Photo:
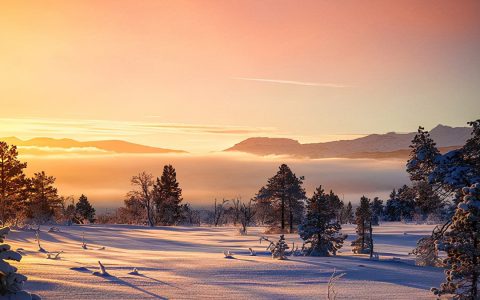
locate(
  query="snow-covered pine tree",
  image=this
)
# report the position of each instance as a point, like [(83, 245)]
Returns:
[(421, 164), (461, 167), (462, 244), (320, 229), (426, 251), (422, 157), (363, 218), (279, 248), (84, 210), (11, 282)]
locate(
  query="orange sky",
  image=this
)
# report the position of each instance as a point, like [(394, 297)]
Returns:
[(312, 70)]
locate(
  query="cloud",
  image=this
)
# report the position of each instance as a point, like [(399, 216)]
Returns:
[(293, 82), (106, 128)]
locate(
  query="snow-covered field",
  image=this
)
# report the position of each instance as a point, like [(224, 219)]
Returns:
[(188, 263)]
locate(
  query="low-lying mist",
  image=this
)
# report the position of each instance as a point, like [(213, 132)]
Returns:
[(105, 179)]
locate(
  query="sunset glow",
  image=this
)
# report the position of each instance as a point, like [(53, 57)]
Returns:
[(96, 70)]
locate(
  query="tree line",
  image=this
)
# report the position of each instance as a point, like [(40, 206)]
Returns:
[(34, 199)]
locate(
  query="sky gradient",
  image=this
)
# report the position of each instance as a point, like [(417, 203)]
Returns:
[(203, 75)]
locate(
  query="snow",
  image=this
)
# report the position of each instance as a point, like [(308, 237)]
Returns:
[(188, 263)]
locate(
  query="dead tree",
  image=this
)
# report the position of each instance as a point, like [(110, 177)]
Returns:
[(219, 209), (237, 205), (246, 216)]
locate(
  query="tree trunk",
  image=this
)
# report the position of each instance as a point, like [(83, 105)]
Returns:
[(475, 274), (291, 220), (371, 238), (363, 235), (283, 214)]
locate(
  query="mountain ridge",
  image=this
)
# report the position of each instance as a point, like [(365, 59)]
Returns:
[(391, 144), (116, 146)]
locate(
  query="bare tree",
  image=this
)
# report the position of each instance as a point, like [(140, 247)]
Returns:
[(143, 186), (219, 209), (246, 215), (237, 205)]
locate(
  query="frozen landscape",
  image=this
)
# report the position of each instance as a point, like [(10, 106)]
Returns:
[(188, 262)]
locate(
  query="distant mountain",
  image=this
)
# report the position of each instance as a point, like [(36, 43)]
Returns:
[(39, 145), (389, 145)]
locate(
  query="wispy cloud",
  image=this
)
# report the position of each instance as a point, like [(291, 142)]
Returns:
[(293, 82), (32, 127)]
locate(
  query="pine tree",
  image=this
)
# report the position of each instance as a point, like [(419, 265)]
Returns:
[(279, 248), (167, 196), (422, 162), (43, 198), (320, 229), (422, 157), (363, 219), (427, 200), (286, 194), (11, 282), (377, 210), (336, 204), (348, 216), (462, 244), (84, 209), (460, 167), (12, 183)]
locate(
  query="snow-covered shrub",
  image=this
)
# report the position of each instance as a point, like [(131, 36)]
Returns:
[(462, 244), (331, 291), (11, 282), (279, 248)]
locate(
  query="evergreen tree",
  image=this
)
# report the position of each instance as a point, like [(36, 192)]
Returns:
[(461, 167), (422, 157), (286, 194), (422, 162), (43, 198), (427, 200), (348, 216), (84, 210), (279, 248), (377, 210), (12, 183), (320, 229), (363, 219), (167, 196), (336, 204), (401, 205), (462, 244)]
